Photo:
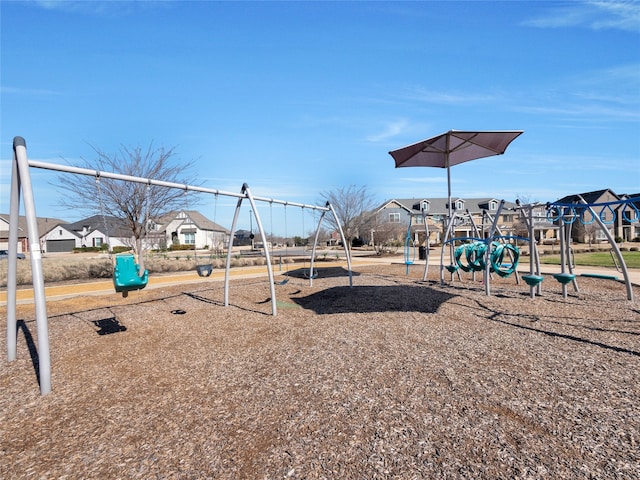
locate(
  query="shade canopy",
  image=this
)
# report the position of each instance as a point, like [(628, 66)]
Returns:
[(453, 147)]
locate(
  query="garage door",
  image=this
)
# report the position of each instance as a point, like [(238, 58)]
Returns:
[(60, 245)]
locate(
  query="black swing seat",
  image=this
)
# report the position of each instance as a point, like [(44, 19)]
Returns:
[(126, 274), (204, 270), (307, 274)]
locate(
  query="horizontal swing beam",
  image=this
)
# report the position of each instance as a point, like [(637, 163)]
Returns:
[(148, 181)]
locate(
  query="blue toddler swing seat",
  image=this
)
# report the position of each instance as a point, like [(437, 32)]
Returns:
[(126, 274)]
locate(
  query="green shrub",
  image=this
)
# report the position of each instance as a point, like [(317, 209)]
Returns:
[(86, 249), (177, 247)]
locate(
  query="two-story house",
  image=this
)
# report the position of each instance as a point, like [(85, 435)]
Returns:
[(584, 229), (188, 227), (391, 220)]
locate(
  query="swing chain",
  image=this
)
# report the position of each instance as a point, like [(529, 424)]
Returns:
[(103, 214)]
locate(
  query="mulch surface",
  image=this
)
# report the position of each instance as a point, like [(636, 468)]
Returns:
[(392, 378)]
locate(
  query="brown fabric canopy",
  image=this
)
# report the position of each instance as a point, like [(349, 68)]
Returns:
[(452, 148)]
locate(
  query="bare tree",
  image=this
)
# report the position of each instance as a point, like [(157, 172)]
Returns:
[(351, 205), (134, 203)]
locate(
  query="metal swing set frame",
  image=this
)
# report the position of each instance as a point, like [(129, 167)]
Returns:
[(21, 183)]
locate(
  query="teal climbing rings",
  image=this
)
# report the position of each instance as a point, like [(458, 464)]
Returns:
[(473, 253), (497, 257), (457, 255), (475, 256)]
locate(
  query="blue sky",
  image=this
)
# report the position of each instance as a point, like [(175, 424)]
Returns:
[(296, 98)]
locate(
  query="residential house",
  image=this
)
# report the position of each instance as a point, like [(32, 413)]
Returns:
[(584, 229), (544, 227), (188, 227), (45, 225), (94, 231), (399, 213), (631, 218)]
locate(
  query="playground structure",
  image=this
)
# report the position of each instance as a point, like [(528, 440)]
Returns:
[(452, 148), (485, 252), (566, 214), (490, 248), (126, 271)]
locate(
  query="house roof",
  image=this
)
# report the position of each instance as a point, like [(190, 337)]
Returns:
[(115, 227), (199, 220), (589, 197), (45, 225), (440, 205)]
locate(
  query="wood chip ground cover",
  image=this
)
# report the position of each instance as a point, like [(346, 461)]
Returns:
[(393, 378)]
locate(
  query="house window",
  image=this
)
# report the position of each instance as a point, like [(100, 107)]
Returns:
[(424, 206), (97, 242), (493, 205), (507, 218), (394, 218), (460, 205), (418, 220), (189, 238)]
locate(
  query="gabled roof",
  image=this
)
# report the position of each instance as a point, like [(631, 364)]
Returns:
[(199, 220), (45, 225), (589, 197), (203, 223), (115, 227), (440, 205), (399, 202)]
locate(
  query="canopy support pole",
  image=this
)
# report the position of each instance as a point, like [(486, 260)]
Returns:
[(487, 253), (426, 256)]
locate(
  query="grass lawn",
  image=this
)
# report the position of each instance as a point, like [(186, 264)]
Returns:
[(596, 259)]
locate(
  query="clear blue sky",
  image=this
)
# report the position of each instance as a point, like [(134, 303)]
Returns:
[(296, 98)]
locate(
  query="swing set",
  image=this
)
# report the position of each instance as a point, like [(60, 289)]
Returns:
[(127, 275)]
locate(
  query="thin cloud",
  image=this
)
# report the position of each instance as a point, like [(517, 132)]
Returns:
[(98, 7), (595, 15), (424, 180), (448, 98), (588, 97), (27, 91), (391, 130)]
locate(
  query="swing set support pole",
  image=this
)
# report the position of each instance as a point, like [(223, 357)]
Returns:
[(21, 179), (344, 242), (246, 193), (263, 236), (313, 249)]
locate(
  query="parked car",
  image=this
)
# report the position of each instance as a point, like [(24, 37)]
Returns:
[(5, 254)]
